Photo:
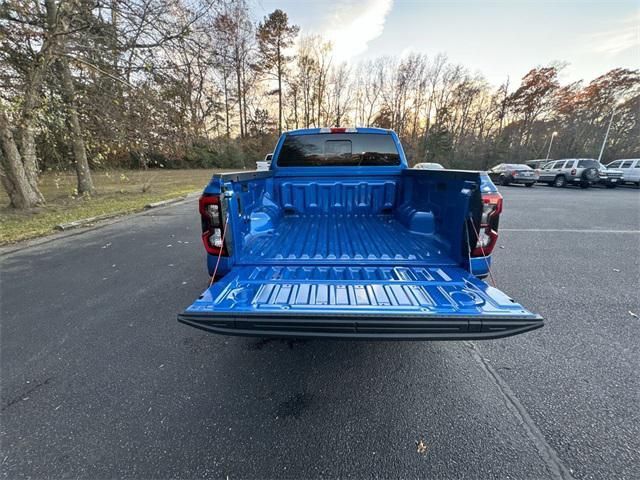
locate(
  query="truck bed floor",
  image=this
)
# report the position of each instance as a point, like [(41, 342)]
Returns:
[(343, 239)]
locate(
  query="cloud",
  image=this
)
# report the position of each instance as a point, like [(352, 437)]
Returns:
[(623, 38), (352, 24)]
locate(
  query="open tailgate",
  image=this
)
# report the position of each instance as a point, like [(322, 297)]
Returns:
[(429, 303)]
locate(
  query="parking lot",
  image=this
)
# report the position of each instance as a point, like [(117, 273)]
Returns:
[(99, 380)]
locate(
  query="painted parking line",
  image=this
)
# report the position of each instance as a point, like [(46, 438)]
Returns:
[(548, 454), (566, 230)]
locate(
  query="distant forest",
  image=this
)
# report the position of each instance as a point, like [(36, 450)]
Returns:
[(186, 84)]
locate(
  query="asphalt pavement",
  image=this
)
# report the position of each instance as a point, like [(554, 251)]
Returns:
[(98, 380)]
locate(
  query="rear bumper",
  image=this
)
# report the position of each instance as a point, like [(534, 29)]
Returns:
[(362, 327), (611, 181), (578, 181), (524, 181)]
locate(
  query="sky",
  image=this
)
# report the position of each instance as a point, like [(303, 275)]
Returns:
[(499, 39)]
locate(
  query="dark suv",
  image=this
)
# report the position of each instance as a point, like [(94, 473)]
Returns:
[(570, 171)]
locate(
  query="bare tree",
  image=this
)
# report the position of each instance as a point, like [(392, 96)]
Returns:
[(83, 173), (275, 36), (339, 95)]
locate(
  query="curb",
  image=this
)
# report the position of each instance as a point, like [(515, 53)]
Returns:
[(91, 220), (63, 227), (162, 203), (87, 225)]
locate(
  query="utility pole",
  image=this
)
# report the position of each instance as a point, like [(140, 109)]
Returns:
[(553, 135), (606, 135)]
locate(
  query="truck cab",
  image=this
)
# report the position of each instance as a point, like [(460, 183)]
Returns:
[(340, 239)]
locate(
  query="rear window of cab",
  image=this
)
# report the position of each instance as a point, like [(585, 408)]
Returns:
[(338, 150)]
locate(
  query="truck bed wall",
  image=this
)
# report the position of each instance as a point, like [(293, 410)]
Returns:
[(426, 203)]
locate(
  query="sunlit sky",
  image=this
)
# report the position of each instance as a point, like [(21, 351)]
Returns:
[(500, 39)]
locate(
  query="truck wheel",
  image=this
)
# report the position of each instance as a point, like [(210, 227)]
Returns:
[(610, 185), (528, 184), (560, 181), (504, 181), (585, 184)]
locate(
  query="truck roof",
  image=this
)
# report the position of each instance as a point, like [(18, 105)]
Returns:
[(311, 131)]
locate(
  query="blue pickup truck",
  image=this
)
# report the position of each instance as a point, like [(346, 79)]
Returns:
[(340, 239)]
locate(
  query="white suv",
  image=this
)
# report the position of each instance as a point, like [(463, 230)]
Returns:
[(630, 168)]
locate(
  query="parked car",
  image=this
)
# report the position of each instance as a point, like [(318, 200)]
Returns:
[(429, 166), (536, 164), (570, 171), (264, 164), (341, 239), (508, 173), (630, 168), (609, 177)]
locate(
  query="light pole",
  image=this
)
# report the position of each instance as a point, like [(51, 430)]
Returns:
[(606, 135), (553, 135)]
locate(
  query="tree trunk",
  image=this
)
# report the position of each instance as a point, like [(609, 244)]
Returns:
[(26, 126), (226, 104), (295, 109), (31, 101), (12, 172), (7, 184), (239, 92), (319, 93), (85, 182), (244, 99), (279, 91)]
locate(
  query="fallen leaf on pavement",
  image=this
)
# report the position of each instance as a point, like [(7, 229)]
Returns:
[(421, 447), (633, 314)]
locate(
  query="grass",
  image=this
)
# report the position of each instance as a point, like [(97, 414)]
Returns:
[(122, 191)]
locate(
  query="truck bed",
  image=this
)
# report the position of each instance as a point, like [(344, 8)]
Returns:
[(343, 239), (355, 253)]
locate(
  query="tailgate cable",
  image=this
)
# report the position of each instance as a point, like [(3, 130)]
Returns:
[(224, 232), (493, 282)]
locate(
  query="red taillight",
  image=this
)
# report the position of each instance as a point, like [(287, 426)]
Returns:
[(573, 172), (493, 200), (212, 225), (513, 173), (488, 231), (338, 130)]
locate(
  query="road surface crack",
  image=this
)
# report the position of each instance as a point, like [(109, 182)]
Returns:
[(26, 393)]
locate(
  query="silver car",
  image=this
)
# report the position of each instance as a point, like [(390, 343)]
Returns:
[(610, 177), (429, 166), (266, 163), (510, 173), (570, 171), (630, 168)]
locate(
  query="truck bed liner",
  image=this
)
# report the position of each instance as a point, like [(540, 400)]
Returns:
[(340, 239)]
